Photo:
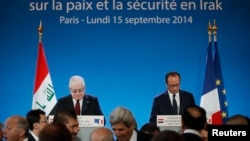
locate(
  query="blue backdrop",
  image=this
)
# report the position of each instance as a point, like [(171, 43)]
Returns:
[(123, 64)]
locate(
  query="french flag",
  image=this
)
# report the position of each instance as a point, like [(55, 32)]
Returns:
[(210, 96)]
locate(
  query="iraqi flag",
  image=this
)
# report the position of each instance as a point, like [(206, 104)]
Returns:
[(210, 98), (44, 97)]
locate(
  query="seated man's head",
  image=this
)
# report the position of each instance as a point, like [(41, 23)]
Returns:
[(55, 132), (122, 122), (238, 119), (101, 134), (194, 117), (69, 119)]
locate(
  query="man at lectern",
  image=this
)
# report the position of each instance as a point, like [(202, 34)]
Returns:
[(173, 100), (78, 100)]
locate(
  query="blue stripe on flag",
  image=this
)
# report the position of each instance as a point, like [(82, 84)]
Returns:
[(220, 85), (209, 81)]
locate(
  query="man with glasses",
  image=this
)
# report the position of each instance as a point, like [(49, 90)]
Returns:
[(37, 121), (173, 100), (78, 100)]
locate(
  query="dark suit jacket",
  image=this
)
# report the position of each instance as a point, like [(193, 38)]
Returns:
[(90, 105), (191, 137), (143, 136), (162, 104), (30, 137)]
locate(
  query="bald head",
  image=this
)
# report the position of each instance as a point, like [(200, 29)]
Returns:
[(16, 128), (194, 117), (237, 120), (101, 134)]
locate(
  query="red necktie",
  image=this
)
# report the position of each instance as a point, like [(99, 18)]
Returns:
[(77, 107)]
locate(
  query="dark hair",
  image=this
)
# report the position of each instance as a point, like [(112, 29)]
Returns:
[(62, 116), (33, 116), (150, 128), (173, 73), (55, 132), (167, 135), (194, 117)]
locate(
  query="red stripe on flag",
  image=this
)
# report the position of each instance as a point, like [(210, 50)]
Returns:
[(41, 68), (216, 118)]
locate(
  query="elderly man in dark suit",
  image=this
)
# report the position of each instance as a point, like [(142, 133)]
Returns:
[(173, 100), (87, 104)]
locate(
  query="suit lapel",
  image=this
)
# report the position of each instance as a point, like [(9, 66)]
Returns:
[(182, 97), (85, 103), (70, 103), (170, 107)]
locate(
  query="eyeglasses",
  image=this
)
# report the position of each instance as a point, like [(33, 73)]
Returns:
[(174, 85)]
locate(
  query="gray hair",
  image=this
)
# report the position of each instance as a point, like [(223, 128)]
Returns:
[(22, 123), (76, 79), (122, 115)]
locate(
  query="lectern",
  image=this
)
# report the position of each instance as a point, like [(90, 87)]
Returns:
[(169, 122), (87, 124)]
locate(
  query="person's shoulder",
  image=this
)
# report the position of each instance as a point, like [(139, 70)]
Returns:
[(185, 92), (90, 96), (160, 95)]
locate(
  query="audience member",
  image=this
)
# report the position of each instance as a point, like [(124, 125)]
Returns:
[(88, 104), (238, 119), (37, 121), (69, 119), (1, 131), (122, 123), (101, 134), (193, 121), (150, 128), (16, 129), (173, 100), (55, 132), (167, 135)]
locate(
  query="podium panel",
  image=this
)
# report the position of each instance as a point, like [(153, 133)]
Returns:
[(87, 124), (169, 122)]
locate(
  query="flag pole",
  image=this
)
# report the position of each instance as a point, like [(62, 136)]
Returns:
[(40, 31), (215, 28), (210, 28), (44, 97)]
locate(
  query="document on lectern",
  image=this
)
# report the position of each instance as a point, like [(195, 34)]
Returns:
[(91, 121), (86, 120), (168, 120)]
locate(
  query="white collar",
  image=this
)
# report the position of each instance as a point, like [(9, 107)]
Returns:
[(134, 136), (192, 131), (35, 136)]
